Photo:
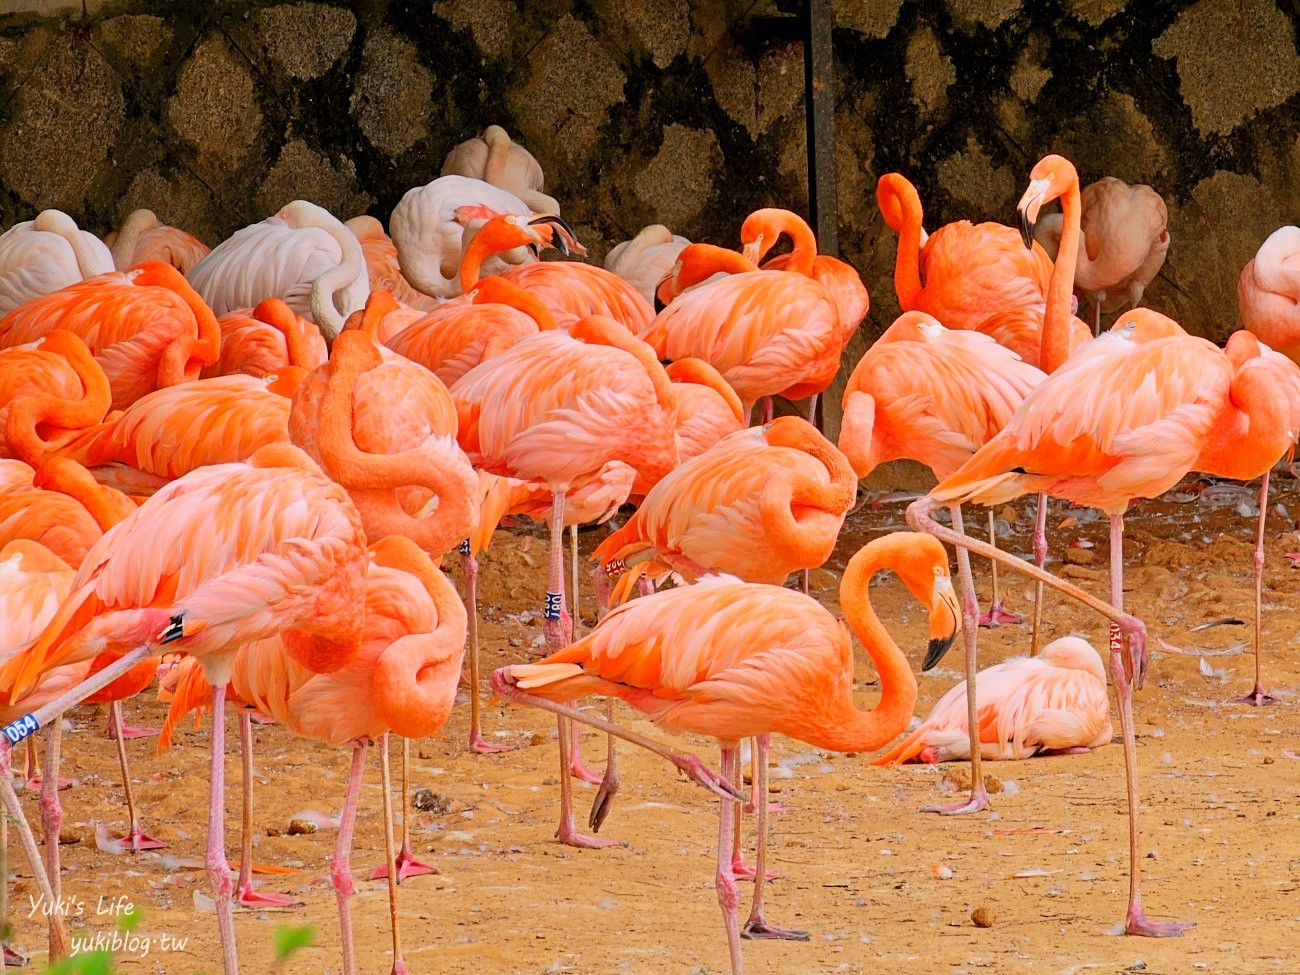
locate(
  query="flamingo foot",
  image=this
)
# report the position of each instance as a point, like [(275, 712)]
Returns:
[(757, 929), (603, 803), (136, 841), (582, 773), (772, 807), (1137, 924), (130, 733), (568, 835), (978, 801), (477, 744), (743, 871), (12, 957), (1257, 698), (36, 781), (407, 866), (253, 900), (997, 616)]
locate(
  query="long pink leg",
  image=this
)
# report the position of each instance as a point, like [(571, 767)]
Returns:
[(245, 894), (341, 868), (728, 895), (13, 812), (567, 832), (769, 409), (757, 926), (390, 865), (11, 957), (135, 839), (223, 884), (996, 615), (979, 796), (1040, 560), (117, 727), (1259, 696), (469, 564), (407, 864), (1127, 672), (52, 824)]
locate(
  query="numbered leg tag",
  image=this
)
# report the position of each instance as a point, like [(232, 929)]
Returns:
[(615, 568), (24, 727), (1116, 641), (464, 547), (554, 603)]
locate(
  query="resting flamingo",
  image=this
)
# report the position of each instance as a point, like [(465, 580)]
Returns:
[(496, 158), (570, 411), (644, 260), (1268, 292), (736, 660), (1123, 239), (147, 327), (382, 267), (143, 237), (303, 255), (46, 254), (1054, 702), (183, 571), (263, 340), (707, 407), (403, 680), (48, 392)]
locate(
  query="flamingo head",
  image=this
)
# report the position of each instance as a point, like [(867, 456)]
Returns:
[(945, 618), (1049, 179), (555, 233)]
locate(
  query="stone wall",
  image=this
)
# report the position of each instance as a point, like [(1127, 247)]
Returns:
[(221, 111)]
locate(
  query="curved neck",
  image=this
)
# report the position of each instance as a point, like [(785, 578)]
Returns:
[(699, 262), (500, 291), (123, 248), (488, 242), (783, 498), (28, 413), (700, 373), (106, 506), (804, 252), (907, 262), (281, 317), (89, 263), (1055, 347), (861, 731), (324, 311), (1251, 433), (498, 152)]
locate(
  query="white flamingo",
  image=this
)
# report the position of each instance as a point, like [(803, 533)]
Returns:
[(46, 254)]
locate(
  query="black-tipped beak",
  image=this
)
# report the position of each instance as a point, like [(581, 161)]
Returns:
[(560, 240), (935, 652), (659, 305), (174, 631), (1026, 226), (537, 250)]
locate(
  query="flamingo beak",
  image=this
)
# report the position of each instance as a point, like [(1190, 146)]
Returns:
[(753, 251), (946, 614), (562, 236), (1027, 209)]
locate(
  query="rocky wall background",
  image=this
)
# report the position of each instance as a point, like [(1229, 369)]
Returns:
[(215, 113)]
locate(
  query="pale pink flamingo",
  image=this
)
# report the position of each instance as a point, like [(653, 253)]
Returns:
[(142, 237), (646, 259), (1268, 292), (497, 159), (46, 254), (1054, 702), (303, 255), (382, 267), (260, 341)]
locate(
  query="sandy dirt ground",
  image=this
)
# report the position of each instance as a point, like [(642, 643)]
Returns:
[(861, 866)]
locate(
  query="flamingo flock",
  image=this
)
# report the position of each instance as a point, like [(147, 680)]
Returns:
[(253, 462)]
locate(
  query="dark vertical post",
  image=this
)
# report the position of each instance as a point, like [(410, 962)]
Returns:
[(819, 108)]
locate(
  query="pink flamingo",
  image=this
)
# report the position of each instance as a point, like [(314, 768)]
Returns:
[(143, 237), (1268, 292), (49, 391), (263, 340), (46, 254)]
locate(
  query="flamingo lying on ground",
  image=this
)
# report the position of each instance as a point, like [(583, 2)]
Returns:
[(1055, 702), (263, 340), (736, 660), (142, 237), (46, 254), (1268, 292), (48, 392)]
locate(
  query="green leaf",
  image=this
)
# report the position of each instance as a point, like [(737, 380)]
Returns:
[(288, 939), (130, 918)]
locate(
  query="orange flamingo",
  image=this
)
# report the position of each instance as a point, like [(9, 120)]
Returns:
[(303, 254), (147, 327), (763, 228), (979, 277), (1268, 292), (178, 429), (48, 392), (1055, 702), (221, 557), (142, 237), (1123, 239), (46, 254), (62, 507), (759, 504), (403, 680), (1127, 417), (737, 660), (571, 291), (937, 395), (382, 267), (768, 333), (263, 340), (707, 407), (570, 411)]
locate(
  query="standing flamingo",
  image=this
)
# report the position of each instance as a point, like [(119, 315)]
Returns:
[(403, 680), (569, 411), (935, 395), (1054, 702), (142, 237), (644, 260), (46, 254), (303, 255), (1123, 239), (707, 407), (147, 327), (260, 341), (221, 557), (735, 660), (1268, 292)]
